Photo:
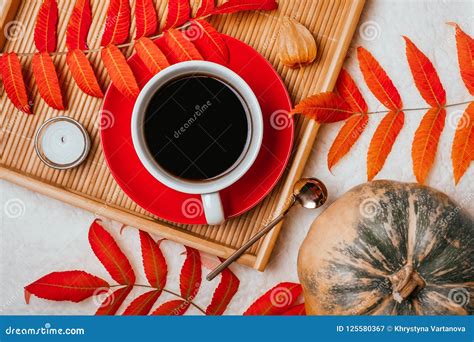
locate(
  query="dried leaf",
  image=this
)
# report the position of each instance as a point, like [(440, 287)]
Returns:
[(190, 277), (224, 293), (180, 48), (324, 108), (117, 23), (142, 304), (179, 12), (47, 80), (378, 81), (297, 310), (151, 55), (382, 142), (119, 71), (206, 8), (208, 41), (13, 82), (465, 47), (110, 254), (74, 286), (154, 261), (45, 35), (463, 145), (348, 90), (275, 301), (346, 138), (425, 76), (232, 6), (425, 143), (83, 73), (172, 308), (79, 25), (146, 18), (113, 301)]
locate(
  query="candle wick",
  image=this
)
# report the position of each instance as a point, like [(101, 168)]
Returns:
[(63, 139)]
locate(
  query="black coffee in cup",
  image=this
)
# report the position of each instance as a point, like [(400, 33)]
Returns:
[(196, 127)]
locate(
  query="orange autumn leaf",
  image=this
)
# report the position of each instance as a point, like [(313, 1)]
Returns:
[(425, 143), (180, 47), (47, 80), (463, 145), (346, 138), (378, 81), (117, 23), (425, 76), (465, 47), (382, 142), (10, 69), (179, 12), (324, 108), (119, 71), (151, 55), (146, 18), (45, 28), (349, 91), (208, 41), (79, 25), (83, 73)]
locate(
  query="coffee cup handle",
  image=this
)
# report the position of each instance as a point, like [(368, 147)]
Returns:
[(213, 209)]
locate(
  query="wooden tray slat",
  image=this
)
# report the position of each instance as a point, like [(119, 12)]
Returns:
[(91, 185)]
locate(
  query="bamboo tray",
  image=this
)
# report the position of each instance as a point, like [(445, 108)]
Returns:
[(92, 187)]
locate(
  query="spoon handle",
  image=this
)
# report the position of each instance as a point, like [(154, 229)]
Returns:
[(246, 246)]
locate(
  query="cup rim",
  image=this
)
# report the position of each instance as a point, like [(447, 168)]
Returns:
[(254, 112)]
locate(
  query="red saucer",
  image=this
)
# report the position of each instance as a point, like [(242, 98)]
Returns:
[(179, 207)]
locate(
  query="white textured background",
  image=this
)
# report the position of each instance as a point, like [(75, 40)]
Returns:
[(50, 236)]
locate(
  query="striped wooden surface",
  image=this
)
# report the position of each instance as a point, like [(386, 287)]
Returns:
[(91, 185)]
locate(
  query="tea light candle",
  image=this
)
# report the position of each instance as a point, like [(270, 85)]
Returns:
[(62, 143)]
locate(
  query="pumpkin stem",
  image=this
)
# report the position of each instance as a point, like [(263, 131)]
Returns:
[(405, 282)]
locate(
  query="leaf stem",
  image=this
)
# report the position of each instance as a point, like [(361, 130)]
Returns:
[(167, 291), (420, 108)]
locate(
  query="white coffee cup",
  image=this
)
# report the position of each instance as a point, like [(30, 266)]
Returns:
[(208, 188)]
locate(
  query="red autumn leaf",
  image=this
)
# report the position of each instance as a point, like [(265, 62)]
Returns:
[(208, 41), (346, 138), (190, 277), (425, 143), (465, 47), (146, 18), (172, 308), (74, 286), (47, 80), (232, 6), (180, 48), (425, 76), (378, 81), (224, 293), (324, 108), (79, 25), (113, 301), (83, 73), (119, 71), (154, 261), (206, 8), (297, 310), (179, 12), (45, 27), (463, 145), (142, 304), (151, 55), (382, 142), (13, 82), (117, 23), (276, 300), (349, 91), (110, 254)]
